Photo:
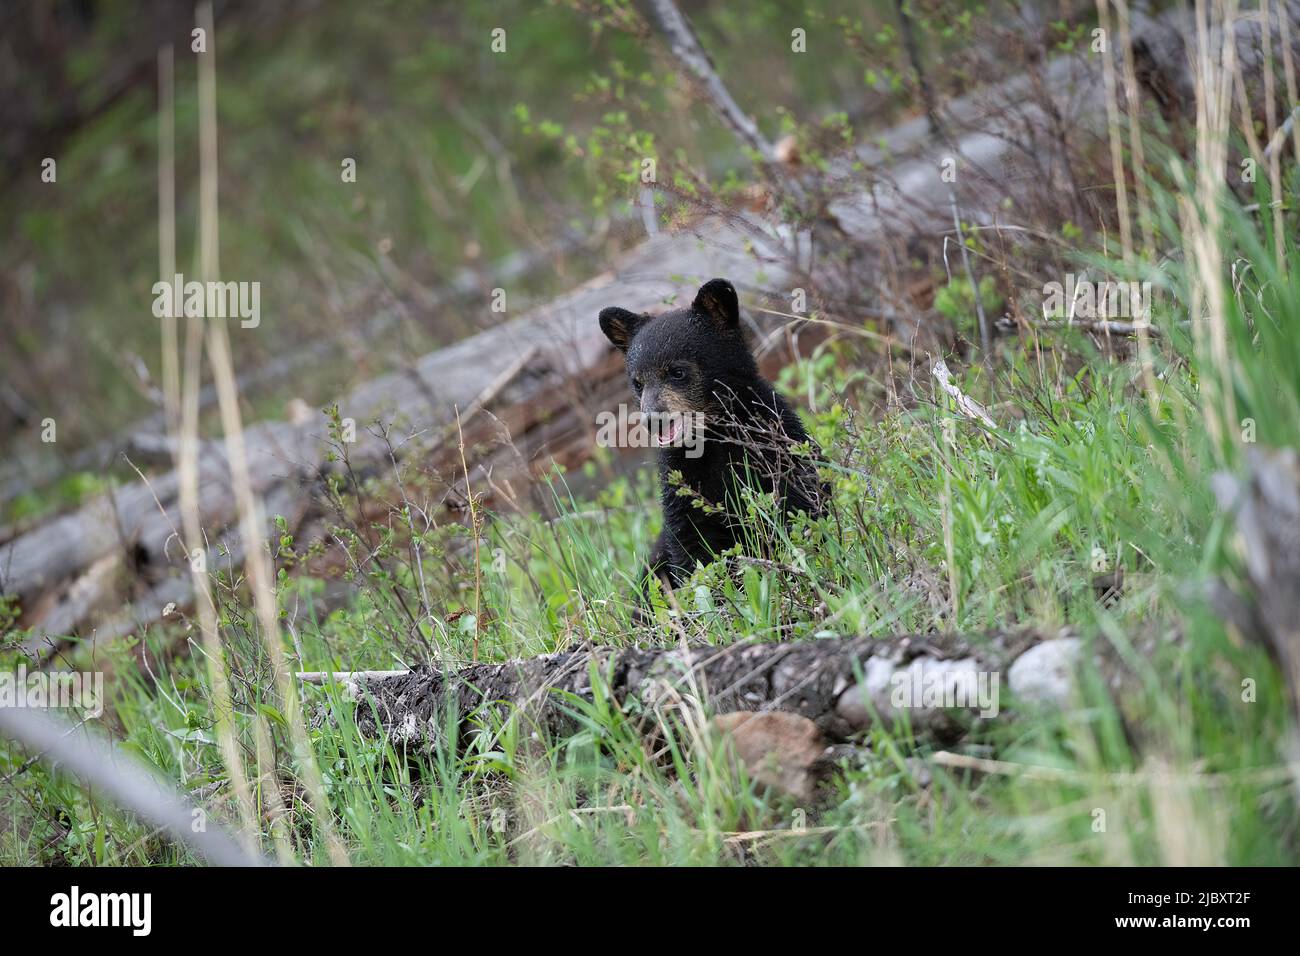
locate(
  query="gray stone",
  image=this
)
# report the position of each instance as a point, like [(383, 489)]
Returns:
[(1044, 674)]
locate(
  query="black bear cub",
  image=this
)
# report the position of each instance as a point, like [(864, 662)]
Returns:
[(717, 422)]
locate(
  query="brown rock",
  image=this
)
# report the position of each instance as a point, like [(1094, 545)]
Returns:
[(781, 751)]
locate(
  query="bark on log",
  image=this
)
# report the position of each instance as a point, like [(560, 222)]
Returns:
[(842, 685), (131, 516), (136, 527)]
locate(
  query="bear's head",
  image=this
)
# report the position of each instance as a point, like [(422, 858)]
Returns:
[(684, 361)]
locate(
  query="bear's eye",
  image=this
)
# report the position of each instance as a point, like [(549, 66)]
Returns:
[(636, 384), (677, 373)]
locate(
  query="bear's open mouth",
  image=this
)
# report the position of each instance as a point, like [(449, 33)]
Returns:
[(669, 430)]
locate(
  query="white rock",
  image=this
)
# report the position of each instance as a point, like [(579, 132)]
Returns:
[(1044, 674), (852, 705)]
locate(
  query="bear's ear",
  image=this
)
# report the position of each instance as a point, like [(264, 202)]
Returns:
[(620, 326), (717, 302)]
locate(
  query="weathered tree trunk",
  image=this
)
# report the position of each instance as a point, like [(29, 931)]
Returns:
[(943, 683)]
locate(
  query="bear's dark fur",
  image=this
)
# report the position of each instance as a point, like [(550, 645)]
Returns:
[(692, 364)]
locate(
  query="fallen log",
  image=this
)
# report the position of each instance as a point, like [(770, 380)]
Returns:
[(940, 685), (131, 532)]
